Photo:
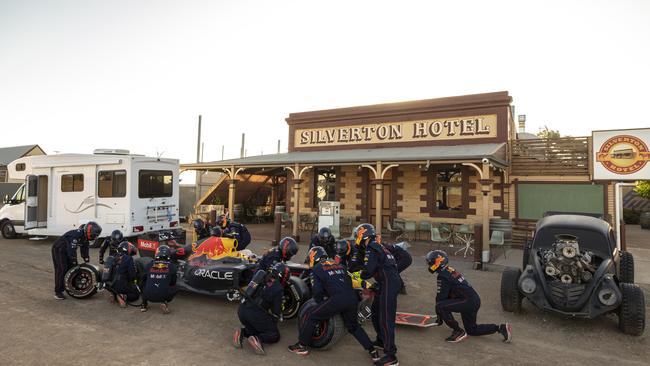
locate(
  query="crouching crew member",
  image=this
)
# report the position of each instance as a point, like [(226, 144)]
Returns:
[(402, 258), (234, 230), (381, 265), (159, 280), (456, 295), (64, 253), (110, 243), (326, 240), (261, 309), (125, 275), (201, 229), (332, 290), (286, 249), (344, 252)]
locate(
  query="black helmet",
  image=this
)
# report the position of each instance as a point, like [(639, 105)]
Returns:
[(316, 254), (437, 260), (216, 231), (116, 236), (281, 272), (223, 221), (343, 248), (124, 247), (163, 253), (363, 232), (198, 224), (92, 230), (288, 247), (324, 235)]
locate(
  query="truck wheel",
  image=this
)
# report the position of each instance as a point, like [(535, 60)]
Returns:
[(631, 313), (295, 294), (510, 295), (8, 231), (626, 267), (81, 281), (328, 332)]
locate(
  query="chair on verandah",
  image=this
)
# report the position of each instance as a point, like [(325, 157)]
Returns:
[(497, 239), (436, 238), (410, 227), (394, 232), (424, 226)]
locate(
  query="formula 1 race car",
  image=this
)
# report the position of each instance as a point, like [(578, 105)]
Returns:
[(573, 267)]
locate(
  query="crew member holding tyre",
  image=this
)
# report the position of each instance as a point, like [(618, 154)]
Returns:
[(403, 259), (234, 230), (332, 290), (286, 249), (261, 309), (380, 265), (159, 280), (326, 240), (125, 275), (64, 252), (456, 295), (110, 244)]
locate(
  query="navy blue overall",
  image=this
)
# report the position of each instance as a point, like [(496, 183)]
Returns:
[(331, 280), (239, 232), (381, 265), (456, 295), (125, 276), (159, 282), (329, 246), (64, 255), (271, 257), (255, 314)]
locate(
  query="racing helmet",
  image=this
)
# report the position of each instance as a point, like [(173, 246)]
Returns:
[(92, 230), (216, 231), (343, 248), (123, 247), (116, 236), (316, 255), (198, 224), (281, 272), (437, 260), (163, 253), (363, 232), (324, 235), (223, 221), (288, 247)]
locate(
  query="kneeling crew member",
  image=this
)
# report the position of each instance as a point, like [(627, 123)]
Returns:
[(331, 280), (326, 240), (125, 275), (381, 265), (201, 229), (286, 249), (344, 252), (456, 295), (111, 244), (403, 259), (64, 252), (159, 280), (261, 309), (234, 230)]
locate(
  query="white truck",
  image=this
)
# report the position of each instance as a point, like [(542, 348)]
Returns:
[(132, 193)]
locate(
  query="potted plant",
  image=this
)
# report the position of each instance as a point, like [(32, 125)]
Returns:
[(642, 189)]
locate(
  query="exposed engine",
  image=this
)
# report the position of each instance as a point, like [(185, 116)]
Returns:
[(565, 262)]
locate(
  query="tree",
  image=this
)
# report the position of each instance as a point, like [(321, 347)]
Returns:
[(643, 189), (548, 134)]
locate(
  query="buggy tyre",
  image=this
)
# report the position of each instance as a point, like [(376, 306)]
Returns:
[(8, 230), (626, 267), (81, 281), (631, 313), (328, 333), (510, 295)]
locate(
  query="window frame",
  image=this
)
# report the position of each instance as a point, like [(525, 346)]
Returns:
[(113, 183), (145, 171), (432, 187), (73, 175)]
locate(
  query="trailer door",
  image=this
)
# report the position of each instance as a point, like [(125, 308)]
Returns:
[(36, 201)]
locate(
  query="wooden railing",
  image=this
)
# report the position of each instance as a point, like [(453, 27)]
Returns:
[(561, 156)]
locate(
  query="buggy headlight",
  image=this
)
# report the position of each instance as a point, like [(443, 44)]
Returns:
[(528, 285), (607, 296)]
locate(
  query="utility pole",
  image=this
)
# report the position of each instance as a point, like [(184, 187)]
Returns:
[(242, 152), (197, 184), (222, 147), (278, 146)]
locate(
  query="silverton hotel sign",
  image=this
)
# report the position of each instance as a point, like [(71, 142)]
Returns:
[(461, 128)]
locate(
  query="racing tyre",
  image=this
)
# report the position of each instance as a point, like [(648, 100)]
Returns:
[(626, 267), (510, 295), (81, 281), (328, 332), (295, 295), (8, 231), (631, 313)]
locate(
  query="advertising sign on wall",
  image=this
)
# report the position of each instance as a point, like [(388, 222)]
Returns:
[(621, 154)]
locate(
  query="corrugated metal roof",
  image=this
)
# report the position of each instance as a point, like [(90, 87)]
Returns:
[(9, 154), (493, 151), (633, 201)]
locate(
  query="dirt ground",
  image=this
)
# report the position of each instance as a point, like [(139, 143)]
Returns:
[(37, 329)]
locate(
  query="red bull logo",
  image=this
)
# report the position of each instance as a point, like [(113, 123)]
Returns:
[(212, 248)]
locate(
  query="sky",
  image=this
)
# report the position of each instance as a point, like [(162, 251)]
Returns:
[(87, 74)]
